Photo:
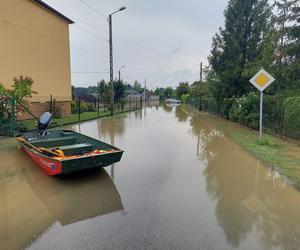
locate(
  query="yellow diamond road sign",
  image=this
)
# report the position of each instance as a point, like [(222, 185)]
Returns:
[(262, 80)]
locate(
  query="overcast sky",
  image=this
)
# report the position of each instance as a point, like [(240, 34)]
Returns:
[(163, 41)]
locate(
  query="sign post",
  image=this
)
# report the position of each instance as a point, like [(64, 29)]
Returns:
[(261, 80)]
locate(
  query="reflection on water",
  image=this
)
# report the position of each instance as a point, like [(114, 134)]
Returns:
[(78, 196), (250, 199), (31, 201), (167, 108), (181, 113), (185, 185)]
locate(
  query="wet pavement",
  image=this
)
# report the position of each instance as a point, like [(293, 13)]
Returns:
[(182, 184)]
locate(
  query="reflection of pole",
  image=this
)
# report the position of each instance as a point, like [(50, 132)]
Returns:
[(98, 123), (145, 97), (98, 105), (79, 129), (256, 176), (261, 115), (112, 171), (145, 93), (198, 141), (112, 168)]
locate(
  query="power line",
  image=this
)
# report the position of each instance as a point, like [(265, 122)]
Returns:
[(94, 9), (91, 33), (130, 41), (89, 24)]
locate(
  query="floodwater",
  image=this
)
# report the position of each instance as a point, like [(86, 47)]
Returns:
[(181, 184)]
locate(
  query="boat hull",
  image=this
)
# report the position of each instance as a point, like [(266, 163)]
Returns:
[(100, 155), (50, 166), (92, 161)]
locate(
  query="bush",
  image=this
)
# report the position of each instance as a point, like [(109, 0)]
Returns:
[(184, 98), (74, 107), (245, 110), (57, 109), (210, 105), (272, 113), (291, 122), (91, 107), (225, 106)]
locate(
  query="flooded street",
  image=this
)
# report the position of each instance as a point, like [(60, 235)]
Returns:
[(182, 184)]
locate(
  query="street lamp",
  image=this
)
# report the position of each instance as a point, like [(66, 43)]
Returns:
[(120, 73), (111, 62)]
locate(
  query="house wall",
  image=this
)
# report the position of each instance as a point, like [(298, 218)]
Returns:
[(35, 43)]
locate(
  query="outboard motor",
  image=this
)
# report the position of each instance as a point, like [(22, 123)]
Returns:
[(44, 123)]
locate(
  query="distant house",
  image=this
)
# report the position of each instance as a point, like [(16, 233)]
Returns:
[(154, 98), (89, 98), (35, 43), (132, 93)]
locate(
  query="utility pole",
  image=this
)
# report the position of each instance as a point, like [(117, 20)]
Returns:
[(120, 73), (201, 72), (111, 72), (145, 92)]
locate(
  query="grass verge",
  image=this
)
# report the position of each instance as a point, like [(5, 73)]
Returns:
[(71, 119), (281, 155)]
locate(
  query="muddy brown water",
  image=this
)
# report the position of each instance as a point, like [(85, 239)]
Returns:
[(181, 184)]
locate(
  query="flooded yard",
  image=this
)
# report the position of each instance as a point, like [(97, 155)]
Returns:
[(182, 184)]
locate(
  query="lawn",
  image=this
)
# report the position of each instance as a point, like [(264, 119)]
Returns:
[(69, 119)]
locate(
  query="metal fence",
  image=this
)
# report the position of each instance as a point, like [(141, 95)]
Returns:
[(7, 116), (273, 115)]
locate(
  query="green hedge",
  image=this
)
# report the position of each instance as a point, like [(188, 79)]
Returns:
[(211, 105), (184, 98), (74, 107), (245, 110), (291, 123)]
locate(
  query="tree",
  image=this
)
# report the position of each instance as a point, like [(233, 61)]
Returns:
[(103, 91), (137, 87), (239, 44), (199, 90), (168, 93), (119, 90), (160, 93), (288, 45), (182, 89), (20, 91)]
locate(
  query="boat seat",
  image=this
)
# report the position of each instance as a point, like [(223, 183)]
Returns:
[(75, 148), (52, 142)]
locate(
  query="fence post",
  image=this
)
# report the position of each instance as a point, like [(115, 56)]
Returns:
[(50, 108), (282, 121), (54, 106), (13, 117), (98, 103), (79, 102), (129, 103)]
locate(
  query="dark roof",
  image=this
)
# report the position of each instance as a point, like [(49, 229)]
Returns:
[(86, 97), (132, 91), (54, 11)]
